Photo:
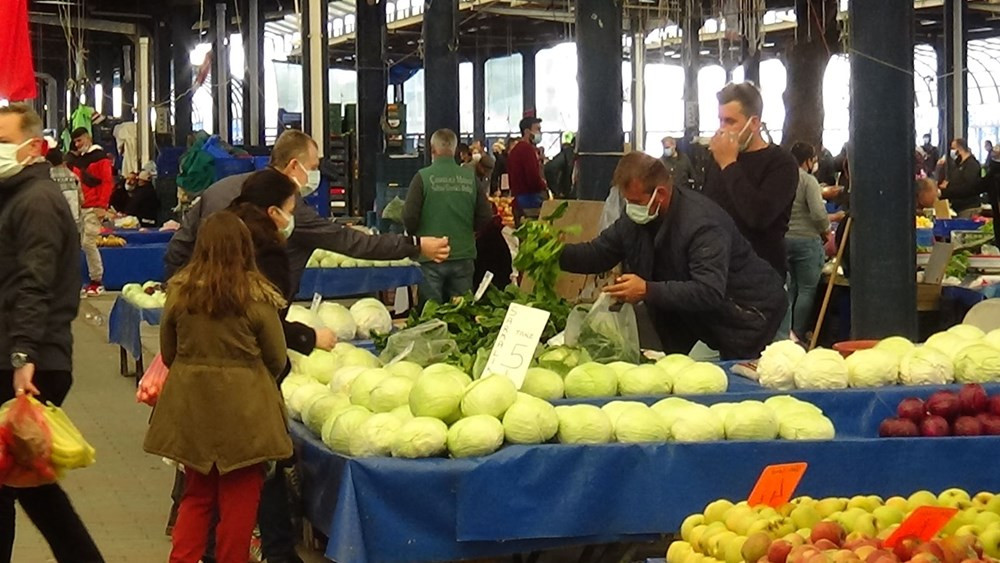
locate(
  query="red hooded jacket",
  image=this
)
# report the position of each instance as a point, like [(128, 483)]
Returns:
[(93, 167)]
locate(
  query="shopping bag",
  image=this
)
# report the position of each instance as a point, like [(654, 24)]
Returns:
[(607, 331), (26, 451), (393, 210), (425, 344), (151, 384)]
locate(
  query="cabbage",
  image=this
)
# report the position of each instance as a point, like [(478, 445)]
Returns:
[(344, 377), (491, 395), (337, 431), (698, 424), (375, 435), (420, 436), (349, 263), (406, 369), (310, 401), (895, 345), (786, 405), (968, 332), (926, 366), (636, 425), (297, 400), (803, 426), (700, 378), (530, 420), (949, 343), (476, 435), (614, 409), (673, 363), (451, 370), (621, 367), (751, 420), (821, 369), (583, 424), (776, 368), (543, 383), (372, 317), (977, 363), (319, 365), (644, 380), (721, 409), (591, 380), (358, 357), (315, 415), (672, 408), (343, 347), (293, 382), (300, 314), (993, 338), (329, 262), (563, 359), (436, 394), (337, 318), (363, 385), (391, 392), (402, 412), (872, 368)]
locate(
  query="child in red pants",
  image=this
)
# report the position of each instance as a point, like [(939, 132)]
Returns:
[(220, 413)]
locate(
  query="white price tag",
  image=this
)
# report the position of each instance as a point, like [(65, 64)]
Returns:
[(317, 300), (484, 285), (515, 345)]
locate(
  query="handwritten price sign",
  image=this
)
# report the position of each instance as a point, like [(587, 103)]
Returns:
[(515, 345), (924, 523), (777, 484)]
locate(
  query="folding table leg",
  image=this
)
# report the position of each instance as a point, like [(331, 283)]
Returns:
[(122, 361), (138, 367)]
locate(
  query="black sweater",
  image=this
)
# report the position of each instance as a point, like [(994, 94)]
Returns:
[(758, 191)]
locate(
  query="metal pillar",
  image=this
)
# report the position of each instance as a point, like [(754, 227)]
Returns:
[(106, 64), (479, 98), (956, 58), (600, 140), (315, 67), (751, 64), (440, 68), (128, 85), (142, 65), (689, 61), (92, 66), (220, 74), (161, 79), (528, 87), (369, 47), (182, 40), (252, 27), (638, 86), (883, 288)]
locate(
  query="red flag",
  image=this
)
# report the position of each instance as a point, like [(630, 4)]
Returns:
[(17, 77)]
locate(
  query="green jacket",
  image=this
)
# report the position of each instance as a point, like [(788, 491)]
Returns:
[(444, 201)]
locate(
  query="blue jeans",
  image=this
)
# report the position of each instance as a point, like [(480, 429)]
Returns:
[(805, 266), (446, 280)]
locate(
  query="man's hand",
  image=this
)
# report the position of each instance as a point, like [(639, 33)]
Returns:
[(627, 287), (23, 380), (830, 192), (436, 248), (325, 339), (837, 217), (943, 185), (725, 147)]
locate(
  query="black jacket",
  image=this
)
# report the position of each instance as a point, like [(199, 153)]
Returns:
[(681, 169), (964, 184), (272, 261), (141, 203), (703, 278), (39, 270)]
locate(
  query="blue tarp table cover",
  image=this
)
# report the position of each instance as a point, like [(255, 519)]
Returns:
[(137, 263), (124, 322), (525, 498), (342, 282), (134, 236)]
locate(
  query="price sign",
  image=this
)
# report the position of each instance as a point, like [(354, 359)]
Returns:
[(317, 299), (777, 484), (923, 523), (487, 278), (515, 345)]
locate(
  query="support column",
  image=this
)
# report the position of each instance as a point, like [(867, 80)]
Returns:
[(440, 68), (315, 68), (182, 38), (128, 74), (479, 98), (220, 74), (252, 26), (528, 84), (142, 65), (956, 54), (751, 63), (107, 70), (600, 140), (92, 66), (369, 47), (690, 62), (944, 96), (883, 287), (161, 79), (638, 86)]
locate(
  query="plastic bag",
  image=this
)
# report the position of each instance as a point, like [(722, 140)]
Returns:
[(607, 335), (25, 444), (612, 211), (428, 343), (393, 210), (151, 384)]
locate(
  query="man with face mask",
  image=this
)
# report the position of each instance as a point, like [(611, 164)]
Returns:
[(91, 164), (524, 171), (679, 165), (39, 298), (752, 179), (137, 197), (687, 261), (963, 185)]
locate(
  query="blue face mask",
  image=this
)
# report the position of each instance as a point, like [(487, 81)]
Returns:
[(642, 214)]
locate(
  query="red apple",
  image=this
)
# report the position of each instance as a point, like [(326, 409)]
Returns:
[(972, 399), (778, 551), (906, 548), (990, 422), (911, 408), (898, 428), (934, 426), (825, 544), (931, 548), (827, 531), (943, 404), (968, 426), (994, 404), (880, 556)]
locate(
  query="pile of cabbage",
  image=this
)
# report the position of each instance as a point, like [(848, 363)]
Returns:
[(329, 259), (149, 295), (364, 319), (961, 354)]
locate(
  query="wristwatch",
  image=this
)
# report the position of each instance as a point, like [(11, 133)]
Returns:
[(18, 360)]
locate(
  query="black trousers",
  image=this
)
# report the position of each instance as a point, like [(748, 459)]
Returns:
[(47, 506)]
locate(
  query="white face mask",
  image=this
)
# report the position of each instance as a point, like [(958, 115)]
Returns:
[(476, 157), (745, 144), (536, 138), (289, 227), (642, 214), (9, 164), (312, 181), (815, 167)]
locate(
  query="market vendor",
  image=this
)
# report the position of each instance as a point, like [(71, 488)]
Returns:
[(927, 194), (686, 259)]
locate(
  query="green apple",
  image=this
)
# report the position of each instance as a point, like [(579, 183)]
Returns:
[(969, 530), (714, 544), (765, 511), (886, 516), (898, 503), (849, 518), (922, 498), (963, 517), (714, 529), (866, 525), (732, 549), (982, 498), (689, 523), (803, 500), (828, 506), (716, 510), (993, 505), (863, 502), (955, 498), (739, 520), (679, 551), (991, 543), (985, 519), (696, 534), (755, 547), (805, 516)]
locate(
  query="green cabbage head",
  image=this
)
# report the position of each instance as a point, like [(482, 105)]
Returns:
[(530, 420), (421, 436), (477, 435), (591, 380), (583, 424), (492, 395)]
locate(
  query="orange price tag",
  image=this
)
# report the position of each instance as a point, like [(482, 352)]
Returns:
[(924, 523), (777, 484)]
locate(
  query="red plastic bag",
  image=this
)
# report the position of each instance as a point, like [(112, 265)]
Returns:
[(151, 384), (25, 445)]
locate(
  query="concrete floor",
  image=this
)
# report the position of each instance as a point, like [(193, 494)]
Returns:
[(125, 497)]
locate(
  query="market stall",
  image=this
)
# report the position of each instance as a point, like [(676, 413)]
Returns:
[(143, 236), (133, 263), (343, 282)]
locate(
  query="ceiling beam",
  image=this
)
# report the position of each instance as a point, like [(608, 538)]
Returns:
[(88, 24)]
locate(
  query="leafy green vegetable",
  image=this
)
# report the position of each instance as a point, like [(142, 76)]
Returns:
[(539, 250), (959, 265)]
